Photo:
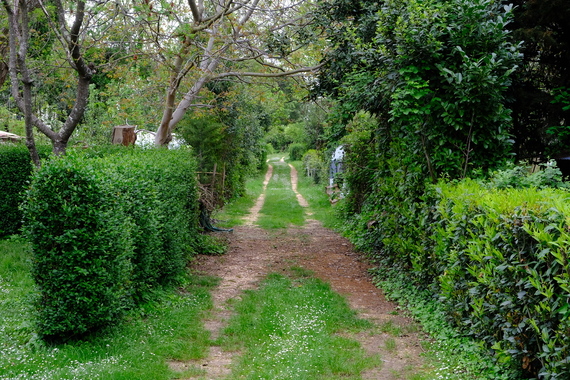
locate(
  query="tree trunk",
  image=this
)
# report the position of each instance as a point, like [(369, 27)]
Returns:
[(171, 119)]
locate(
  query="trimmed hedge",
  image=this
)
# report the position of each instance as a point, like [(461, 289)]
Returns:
[(504, 273), (107, 231), (496, 258), (15, 171)]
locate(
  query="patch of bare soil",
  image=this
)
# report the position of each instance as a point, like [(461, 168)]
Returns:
[(254, 253)]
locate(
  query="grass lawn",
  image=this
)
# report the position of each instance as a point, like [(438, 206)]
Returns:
[(166, 329)]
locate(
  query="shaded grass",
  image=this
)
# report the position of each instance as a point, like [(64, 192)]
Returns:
[(281, 207), (316, 196), (164, 329), (288, 330)]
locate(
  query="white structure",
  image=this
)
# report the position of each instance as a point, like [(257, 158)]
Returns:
[(336, 163), (145, 139)]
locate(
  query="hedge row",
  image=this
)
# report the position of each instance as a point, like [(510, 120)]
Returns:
[(15, 171), (107, 231), (504, 273), (497, 259)]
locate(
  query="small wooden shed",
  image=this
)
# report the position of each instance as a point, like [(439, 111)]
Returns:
[(124, 134)]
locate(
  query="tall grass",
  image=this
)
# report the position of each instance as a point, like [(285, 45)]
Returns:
[(288, 329), (167, 328)]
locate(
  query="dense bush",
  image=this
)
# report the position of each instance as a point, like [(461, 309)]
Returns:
[(315, 166), (504, 272), (496, 257), (105, 232), (296, 151), (15, 171)]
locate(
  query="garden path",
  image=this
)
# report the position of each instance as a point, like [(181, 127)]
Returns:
[(254, 252)]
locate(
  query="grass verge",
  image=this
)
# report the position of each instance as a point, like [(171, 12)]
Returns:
[(288, 329), (317, 198), (168, 328)]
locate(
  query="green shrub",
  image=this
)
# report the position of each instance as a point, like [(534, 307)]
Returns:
[(314, 165), (504, 272), (15, 171), (296, 151), (519, 177), (495, 255), (106, 232)]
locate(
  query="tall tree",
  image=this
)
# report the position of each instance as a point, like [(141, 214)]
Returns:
[(68, 25), (434, 72), (201, 41)]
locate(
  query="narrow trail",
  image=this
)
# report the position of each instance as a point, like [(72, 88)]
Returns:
[(254, 252)]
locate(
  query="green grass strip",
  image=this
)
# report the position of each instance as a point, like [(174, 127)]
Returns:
[(233, 212), (168, 328), (316, 196), (281, 207), (288, 329)]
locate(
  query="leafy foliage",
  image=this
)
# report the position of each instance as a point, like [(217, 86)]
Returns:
[(315, 166), (434, 73), (228, 136), (105, 232), (360, 162), (495, 257), (296, 151), (16, 170), (503, 272), (519, 177)]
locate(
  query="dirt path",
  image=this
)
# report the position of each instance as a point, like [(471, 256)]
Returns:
[(255, 252)]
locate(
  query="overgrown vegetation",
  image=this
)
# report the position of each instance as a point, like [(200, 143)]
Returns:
[(496, 258), (433, 77)]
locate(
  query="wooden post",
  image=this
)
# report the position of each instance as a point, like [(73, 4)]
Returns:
[(214, 175), (224, 178)]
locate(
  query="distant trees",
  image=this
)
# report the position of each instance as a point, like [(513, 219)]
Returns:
[(197, 42), (172, 48)]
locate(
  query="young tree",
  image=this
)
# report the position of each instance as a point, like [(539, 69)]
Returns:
[(22, 77)]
